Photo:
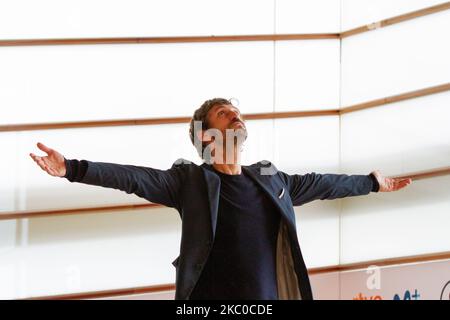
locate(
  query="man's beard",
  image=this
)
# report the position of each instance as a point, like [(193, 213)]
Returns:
[(239, 135), (241, 131)]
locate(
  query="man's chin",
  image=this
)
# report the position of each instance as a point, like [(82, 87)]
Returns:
[(239, 125), (241, 132)]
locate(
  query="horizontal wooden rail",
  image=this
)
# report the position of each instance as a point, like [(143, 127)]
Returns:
[(396, 98), (381, 263), (252, 116), (228, 38), (114, 208), (191, 39), (397, 19), (71, 211), (156, 121), (426, 174), (109, 293), (312, 271), (92, 124)]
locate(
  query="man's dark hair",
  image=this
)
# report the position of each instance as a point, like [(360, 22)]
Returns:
[(201, 114)]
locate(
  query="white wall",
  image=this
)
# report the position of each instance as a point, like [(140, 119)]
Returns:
[(70, 83), (305, 16), (307, 75), (398, 138), (57, 255), (304, 145), (404, 57), (356, 13), (133, 18), (91, 252)]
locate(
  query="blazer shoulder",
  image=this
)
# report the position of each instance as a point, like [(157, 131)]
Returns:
[(186, 169), (267, 167), (183, 163)]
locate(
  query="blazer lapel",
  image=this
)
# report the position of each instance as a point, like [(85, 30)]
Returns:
[(213, 187)]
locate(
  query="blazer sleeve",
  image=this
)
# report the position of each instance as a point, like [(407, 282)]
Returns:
[(313, 186), (154, 185)]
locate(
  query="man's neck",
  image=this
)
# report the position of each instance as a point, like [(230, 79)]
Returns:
[(229, 167), (226, 168)]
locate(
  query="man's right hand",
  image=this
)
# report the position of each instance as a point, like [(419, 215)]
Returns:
[(53, 163)]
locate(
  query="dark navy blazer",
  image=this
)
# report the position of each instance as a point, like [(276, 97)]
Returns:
[(193, 191)]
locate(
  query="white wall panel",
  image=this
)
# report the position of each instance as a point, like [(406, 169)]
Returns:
[(260, 142), (69, 83), (8, 230), (356, 13), (304, 145), (403, 137), (400, 58), (318, 232), (160, 295), (156, 146), (152, 146), (306, 16), (307, 144), (132, 18), (93, 252), (306, 75), (411, 221), (9, 178)]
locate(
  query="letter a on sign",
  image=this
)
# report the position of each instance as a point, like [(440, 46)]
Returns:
[(374, 280)]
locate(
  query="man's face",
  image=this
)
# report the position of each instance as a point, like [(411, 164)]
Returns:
[(226, 116), (226, 129)]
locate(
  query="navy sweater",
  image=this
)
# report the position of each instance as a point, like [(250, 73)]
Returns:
[(241, 264)]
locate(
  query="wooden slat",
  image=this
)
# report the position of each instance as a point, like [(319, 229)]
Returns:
[(228, 38), (253, 116), (148, 40), (426, 174), (397, 98), (113, 208), (381, 263), (92, 124), (313, 271), (291, 114), (396, 19), (71, 211), (155, 121), (109, 293)]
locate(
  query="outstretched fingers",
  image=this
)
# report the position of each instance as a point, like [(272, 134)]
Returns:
[(39, 161), (44, 148), (35, 157), (401, 183)]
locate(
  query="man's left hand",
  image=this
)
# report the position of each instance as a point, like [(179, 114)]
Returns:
[(390, 184)]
